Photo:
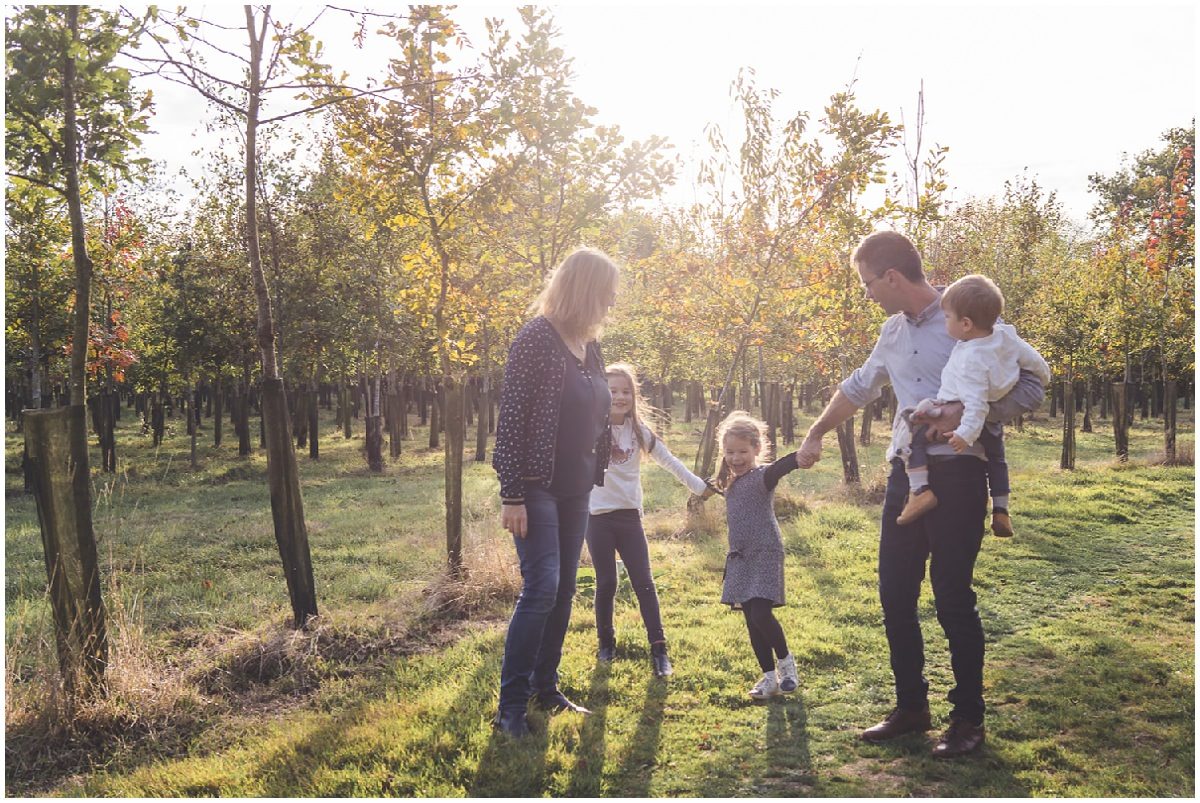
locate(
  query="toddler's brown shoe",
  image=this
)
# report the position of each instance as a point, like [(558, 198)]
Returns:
[(917, 506), (1001, 524)]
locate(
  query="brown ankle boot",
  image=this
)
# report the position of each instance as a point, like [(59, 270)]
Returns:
[(898, 723), (1001, 524), (917, 506)]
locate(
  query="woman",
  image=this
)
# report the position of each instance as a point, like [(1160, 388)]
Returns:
[(552, 446)]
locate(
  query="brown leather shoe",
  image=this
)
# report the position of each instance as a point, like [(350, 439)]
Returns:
[(917, 506), (1001, 524), (960, 738), (898, 723)]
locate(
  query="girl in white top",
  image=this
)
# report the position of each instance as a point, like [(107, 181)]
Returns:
[(615, 523)]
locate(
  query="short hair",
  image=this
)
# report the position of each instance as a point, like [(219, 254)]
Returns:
[(579, 292), (976, 297), (884, 250)]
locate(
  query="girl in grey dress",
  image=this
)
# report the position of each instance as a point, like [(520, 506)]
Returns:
[(754, 566)]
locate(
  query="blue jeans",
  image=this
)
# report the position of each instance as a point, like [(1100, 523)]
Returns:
[(549, 555), (949, 537)]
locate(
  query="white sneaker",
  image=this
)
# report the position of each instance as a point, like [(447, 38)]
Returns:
[(785, 670), (766, 687)]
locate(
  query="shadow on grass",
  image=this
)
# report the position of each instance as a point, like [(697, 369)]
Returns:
[(589, 762), (637, 765)]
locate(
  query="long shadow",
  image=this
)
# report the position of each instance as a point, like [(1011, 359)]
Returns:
[(788, 755), (512, 767), (641, 756), (589, 761)]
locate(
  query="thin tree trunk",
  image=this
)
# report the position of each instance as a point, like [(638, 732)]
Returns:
[(1068, 446), (287, 504), (452, 390), (90, 617), (1170, 397), (1120, 419)]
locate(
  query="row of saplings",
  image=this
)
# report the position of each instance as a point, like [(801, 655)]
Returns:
[(386, 404)]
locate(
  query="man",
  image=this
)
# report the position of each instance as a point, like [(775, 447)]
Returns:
[(912, 349)]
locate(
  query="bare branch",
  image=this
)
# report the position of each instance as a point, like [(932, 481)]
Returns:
[(37, 181)]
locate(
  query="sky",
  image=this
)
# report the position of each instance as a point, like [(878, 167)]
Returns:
[(1059, 90)]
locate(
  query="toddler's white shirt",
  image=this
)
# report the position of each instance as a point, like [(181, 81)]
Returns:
[(985, 369)]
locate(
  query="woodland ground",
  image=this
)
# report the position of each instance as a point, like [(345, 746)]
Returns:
[(1088, 611)]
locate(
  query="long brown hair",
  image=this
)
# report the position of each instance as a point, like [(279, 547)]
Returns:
[(641, 412), (741, 424), (578, 293)]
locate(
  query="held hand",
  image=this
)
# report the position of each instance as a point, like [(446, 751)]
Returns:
[(809, 452), (958, 443), (514, 519), (946, 422)]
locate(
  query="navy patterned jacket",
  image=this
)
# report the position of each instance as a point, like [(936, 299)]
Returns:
[(527, 424)]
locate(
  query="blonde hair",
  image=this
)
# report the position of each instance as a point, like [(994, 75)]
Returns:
[(740, 424), (578, 293), (976, 297), (641, 412)]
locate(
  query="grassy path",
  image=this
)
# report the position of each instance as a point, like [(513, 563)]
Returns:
[(1089, 614)]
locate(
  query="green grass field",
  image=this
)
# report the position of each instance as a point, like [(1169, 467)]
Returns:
[(1089, 614)]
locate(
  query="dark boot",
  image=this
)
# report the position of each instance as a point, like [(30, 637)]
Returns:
[(898, 723), (960, 738), (511, 722), (606, 653), (658, 656)]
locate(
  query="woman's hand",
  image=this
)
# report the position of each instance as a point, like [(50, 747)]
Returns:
[(514, 519)]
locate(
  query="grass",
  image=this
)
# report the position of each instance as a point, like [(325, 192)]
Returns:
[(1088, 611)]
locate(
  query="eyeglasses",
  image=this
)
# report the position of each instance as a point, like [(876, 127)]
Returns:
[(867, 284)]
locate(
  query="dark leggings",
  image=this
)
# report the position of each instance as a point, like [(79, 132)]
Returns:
[(766, 634), (620, 532)]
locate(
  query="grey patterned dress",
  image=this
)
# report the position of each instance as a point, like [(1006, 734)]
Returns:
[(754, 564)]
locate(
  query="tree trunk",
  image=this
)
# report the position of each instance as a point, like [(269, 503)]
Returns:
[(485, 403), (68, 543), (314, 420), (1087, 405), (218, 419), (1068, 446), (864, 434), (454, 400), (435, 417), (393, 413), (788, 414), (373, 442), (287, 504), (344, 406), (1170, 394), (849, 455), (1120, 419)]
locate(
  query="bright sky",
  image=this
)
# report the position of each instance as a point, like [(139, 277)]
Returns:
[(1063, 89)]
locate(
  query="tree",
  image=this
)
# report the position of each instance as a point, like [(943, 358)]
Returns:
[(71, 116)]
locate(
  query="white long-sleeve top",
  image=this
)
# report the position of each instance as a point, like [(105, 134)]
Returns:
[(982, 370), (622, 488)]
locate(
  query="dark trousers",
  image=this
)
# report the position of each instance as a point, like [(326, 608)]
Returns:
[(948, 536), (991, 438), (619, 532), (766, 634), (549, 555)]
